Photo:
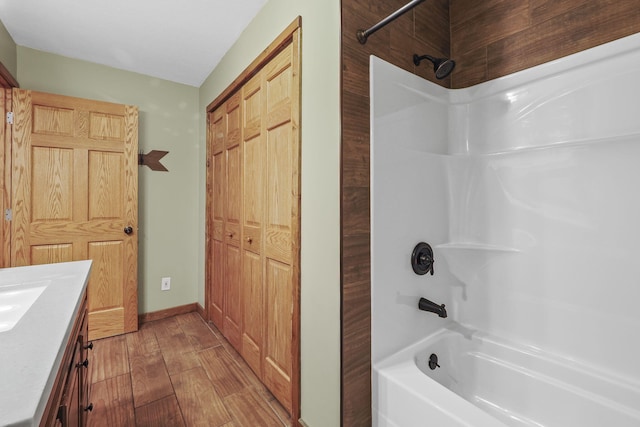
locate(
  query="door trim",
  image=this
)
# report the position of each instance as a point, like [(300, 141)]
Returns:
[(7, 82)]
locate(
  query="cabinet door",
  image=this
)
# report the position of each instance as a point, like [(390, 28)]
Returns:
[(70, 413), (252, 220), (233, 216), (84, 374), (281, 248), (217, 187)]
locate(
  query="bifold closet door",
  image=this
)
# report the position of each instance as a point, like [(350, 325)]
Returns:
[(232, 325), (253, 197), (253, 148), (216, 172), (281, 223)]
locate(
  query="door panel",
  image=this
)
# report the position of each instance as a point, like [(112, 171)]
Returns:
[(252, 219), (217, 291), (106, 304), (280, 170), (106, 171), (253, 165), (232, 308), (49, 254), (279, 300), (55, 179), (233, 202), (281, 227), (75, 189), (233, 216), (217, 175), (252, 303)]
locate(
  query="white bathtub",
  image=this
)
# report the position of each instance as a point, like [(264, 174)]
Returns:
[(501, 384)]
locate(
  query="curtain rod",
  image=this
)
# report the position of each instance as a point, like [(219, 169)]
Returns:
[(364, 34)]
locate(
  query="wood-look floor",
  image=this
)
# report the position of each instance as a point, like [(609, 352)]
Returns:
[(177, 372)]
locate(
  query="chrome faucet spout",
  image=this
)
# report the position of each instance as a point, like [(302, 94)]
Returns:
[(430, 306)]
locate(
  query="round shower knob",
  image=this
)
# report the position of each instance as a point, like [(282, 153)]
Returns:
[(422, 259)]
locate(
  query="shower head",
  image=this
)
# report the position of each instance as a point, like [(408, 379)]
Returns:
[(441, 66)]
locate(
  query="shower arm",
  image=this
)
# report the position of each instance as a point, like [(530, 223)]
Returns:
[(364, 34)]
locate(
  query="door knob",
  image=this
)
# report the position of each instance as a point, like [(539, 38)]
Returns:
[(128, 230)]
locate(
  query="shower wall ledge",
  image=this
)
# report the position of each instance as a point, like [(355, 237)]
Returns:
[(474, 246)]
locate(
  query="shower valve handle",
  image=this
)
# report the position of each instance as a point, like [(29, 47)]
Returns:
[(422, 259), (426, 260)]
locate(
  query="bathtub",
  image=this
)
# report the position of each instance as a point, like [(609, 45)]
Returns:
[(501, 384)]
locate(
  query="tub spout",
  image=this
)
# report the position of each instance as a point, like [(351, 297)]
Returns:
[(426, 305)]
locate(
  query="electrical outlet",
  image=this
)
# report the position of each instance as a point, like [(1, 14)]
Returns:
[(166, 284)]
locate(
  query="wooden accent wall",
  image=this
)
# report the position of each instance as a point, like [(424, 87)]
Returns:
[(494, 38), (424, 30), (487, 39)]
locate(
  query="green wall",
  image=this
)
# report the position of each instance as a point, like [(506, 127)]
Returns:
[(168, 202), (8, 52), (320, 263), (172, 204)]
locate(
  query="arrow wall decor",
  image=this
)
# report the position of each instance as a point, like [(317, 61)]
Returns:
[(152, 159)]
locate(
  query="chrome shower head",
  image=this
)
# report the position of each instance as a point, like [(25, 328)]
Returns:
[(441, 66)]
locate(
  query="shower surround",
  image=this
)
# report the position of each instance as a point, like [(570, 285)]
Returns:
[(527, 188)]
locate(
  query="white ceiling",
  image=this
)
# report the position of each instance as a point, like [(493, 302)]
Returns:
[(181, 41)]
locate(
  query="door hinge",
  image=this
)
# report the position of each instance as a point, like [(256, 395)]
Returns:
[(8, 215), (9, 117)]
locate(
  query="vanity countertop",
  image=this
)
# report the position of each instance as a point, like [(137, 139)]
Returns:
[(32, 349)]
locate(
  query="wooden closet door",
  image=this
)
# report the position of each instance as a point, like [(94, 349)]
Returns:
[(281, 224), (75, 197), (232, 328), (253, 147), (260, 231), (216, 172)]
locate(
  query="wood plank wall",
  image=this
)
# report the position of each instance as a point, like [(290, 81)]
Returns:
[(424, 30), (489, 39), (494, 38)]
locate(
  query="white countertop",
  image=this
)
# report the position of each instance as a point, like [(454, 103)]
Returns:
[(31, 351)]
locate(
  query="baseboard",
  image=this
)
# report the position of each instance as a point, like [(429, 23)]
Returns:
[(302, 423), (200, 310), (168, 312)]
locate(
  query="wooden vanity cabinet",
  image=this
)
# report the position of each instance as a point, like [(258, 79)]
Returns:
[(68, 403)]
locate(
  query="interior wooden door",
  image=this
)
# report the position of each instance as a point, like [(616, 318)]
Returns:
[(282, 201), (216, 210), (75, 197), (233, 215), (252, 219)]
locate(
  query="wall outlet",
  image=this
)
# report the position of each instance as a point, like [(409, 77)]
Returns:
[(166, 284)]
